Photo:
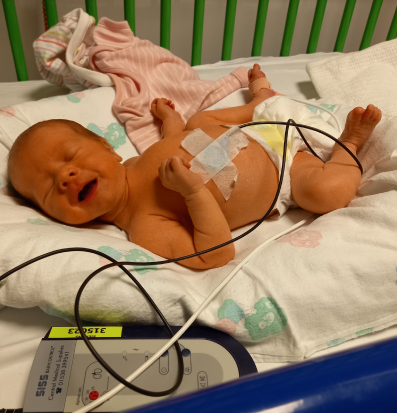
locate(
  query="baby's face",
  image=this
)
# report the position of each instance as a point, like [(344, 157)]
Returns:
[(72, 177)]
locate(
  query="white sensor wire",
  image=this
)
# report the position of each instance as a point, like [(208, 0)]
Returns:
[(203, 305), (308, 102)]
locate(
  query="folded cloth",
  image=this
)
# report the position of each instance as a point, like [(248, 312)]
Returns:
[(77, 54), (62, 53), (359, 78)]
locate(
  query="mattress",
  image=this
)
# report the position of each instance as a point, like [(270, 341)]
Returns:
[(22, 329)]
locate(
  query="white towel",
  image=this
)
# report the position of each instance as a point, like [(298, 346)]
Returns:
[(359, 78)]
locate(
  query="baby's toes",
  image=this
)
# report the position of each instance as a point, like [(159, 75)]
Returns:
[(376, 115), (372, 114), (355, 115), (255, 72), (368, 112)]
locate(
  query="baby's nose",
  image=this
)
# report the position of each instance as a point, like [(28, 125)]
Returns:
[(67, 176)]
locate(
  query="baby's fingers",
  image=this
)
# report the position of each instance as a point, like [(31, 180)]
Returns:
[(176, 164), (164, 168), (153, 105), (170, 104), (168, 167), (179, 164)]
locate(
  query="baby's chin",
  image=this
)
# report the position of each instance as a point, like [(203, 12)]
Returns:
[(73, 219)]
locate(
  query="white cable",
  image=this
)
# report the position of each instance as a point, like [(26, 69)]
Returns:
[(308, 102), (203, 305)]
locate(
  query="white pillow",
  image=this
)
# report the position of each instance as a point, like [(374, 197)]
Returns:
[(359, 78), (91, 108)]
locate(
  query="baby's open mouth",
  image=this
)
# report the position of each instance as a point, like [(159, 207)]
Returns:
[(87, 190)]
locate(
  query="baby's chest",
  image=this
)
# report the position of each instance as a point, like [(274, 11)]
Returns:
[(250, 182), (249, 163)]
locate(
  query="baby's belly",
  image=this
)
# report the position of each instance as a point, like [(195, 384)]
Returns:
[(255, 188)]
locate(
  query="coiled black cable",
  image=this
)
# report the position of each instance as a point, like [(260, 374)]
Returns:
[(144, 292)]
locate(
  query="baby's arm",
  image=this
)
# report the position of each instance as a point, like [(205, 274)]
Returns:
[(164, 109), (210, 227)]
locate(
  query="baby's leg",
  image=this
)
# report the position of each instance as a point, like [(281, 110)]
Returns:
[(236, 115), (323, 187)]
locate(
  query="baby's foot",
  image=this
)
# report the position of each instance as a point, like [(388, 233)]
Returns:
[(360, 123), (262, 94)]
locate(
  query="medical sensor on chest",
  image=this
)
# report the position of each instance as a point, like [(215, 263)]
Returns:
[(213, 157)]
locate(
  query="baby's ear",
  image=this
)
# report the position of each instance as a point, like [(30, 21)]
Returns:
[(111, 150)]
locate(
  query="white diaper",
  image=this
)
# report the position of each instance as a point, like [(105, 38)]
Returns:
[(271, 137)]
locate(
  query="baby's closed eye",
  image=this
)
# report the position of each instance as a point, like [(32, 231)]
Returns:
[(70, 155)]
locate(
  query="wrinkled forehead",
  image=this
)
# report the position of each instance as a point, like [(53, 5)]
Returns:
[(54, 134), (48, 141), (38, 149)]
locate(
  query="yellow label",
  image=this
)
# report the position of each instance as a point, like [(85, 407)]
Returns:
[(74, 332)]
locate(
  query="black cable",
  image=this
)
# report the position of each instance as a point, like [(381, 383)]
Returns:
[(308, 127), (115, 263), (102, 361), (79, 323), (306, 142), (121, 265)]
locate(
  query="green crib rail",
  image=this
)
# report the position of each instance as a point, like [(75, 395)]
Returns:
[(261, 15), (198, 27), (289, 27), (371, 23), (51, 12), (229, 29), (165, 24), (92, 9), (14, 34), (393, 28), (316, 26), (344, 25), (129, 13)]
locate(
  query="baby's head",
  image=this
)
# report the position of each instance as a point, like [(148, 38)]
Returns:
[(70, 172)]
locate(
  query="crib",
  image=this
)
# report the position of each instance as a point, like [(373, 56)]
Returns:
[(51, 15), (23, 327)]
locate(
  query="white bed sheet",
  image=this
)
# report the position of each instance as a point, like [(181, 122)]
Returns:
[(22, 329)]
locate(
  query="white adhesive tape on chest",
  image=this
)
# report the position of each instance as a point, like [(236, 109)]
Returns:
[(213, 158)]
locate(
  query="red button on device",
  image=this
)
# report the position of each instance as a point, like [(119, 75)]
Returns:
[(94, 395)]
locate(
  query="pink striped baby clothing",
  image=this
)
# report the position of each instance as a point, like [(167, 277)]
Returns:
[(142, 71)]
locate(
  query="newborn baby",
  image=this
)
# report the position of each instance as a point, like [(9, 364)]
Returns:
[(75, 176)]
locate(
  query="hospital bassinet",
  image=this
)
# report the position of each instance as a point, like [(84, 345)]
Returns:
[(22, 329)]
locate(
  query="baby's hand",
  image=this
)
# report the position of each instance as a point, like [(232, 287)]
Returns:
[(164, 108), (175, 175)]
